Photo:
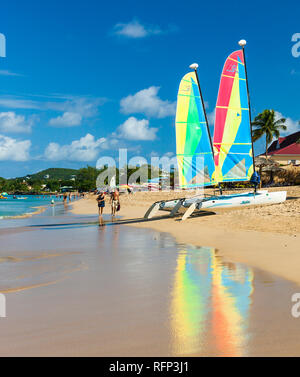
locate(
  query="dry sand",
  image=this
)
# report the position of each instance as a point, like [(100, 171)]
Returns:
[(265, 237)]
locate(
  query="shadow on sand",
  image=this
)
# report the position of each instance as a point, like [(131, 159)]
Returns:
[(102, 222)]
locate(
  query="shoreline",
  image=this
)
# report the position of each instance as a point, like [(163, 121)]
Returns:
[(236, 234), (40, 209)]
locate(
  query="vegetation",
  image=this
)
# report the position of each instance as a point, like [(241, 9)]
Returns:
[(266, 124), (52, 180), (53, 173)]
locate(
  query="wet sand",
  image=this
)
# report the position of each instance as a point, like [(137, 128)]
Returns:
[(76, 289), (265, 237)]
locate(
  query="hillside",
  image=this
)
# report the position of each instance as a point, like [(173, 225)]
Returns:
[(54, 173)]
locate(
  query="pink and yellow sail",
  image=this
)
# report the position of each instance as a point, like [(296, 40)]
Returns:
[(233, 153)]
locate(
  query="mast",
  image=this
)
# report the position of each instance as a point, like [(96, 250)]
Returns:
[(243, 43), (194, 66)]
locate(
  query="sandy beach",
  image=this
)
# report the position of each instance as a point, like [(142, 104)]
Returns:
[(74, 288), (265, 237)]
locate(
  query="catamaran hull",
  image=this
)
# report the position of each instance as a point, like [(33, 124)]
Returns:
[(230, 201)]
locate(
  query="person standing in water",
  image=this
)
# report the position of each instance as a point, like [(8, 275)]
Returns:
[(101, 202), (115, 201)]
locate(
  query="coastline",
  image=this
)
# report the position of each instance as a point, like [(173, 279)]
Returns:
[(39, 210), (264, 237)]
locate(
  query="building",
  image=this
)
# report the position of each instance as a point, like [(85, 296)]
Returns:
[(286, 150)]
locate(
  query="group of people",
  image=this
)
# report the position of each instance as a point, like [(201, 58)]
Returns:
[(114, 202), (69, 195)]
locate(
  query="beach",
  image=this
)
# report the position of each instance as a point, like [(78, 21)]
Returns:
[(74, 288), (153, 288), (265, 237)]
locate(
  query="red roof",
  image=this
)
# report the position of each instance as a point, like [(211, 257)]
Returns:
[(286, 145), (291, 149)]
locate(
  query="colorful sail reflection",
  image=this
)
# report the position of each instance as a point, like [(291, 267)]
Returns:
[(210, 305), (232, 289), (190, 303), (193, 145), (232, 134)]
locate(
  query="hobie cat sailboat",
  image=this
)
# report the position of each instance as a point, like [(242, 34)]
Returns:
[(229, 158)]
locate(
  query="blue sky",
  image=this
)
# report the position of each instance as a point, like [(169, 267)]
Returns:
[(81, 79)]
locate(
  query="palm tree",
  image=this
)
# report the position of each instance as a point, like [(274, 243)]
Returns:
[(265, 123)]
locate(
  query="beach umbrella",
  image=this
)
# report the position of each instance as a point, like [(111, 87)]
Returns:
[(267, 165), (265, 162)]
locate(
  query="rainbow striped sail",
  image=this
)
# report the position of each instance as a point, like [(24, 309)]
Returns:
[(232, 134), (193, 144)]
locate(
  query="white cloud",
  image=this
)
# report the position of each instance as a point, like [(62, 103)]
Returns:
[(14, 150), (19, 103), (135, 29), (147, 102), (68, 119), (4, 72), (85, 149), (11, 122), (292, 125), (134, 129), (71, 109), (211, 118)]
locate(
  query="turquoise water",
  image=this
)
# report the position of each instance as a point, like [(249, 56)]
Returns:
[(24, 204)]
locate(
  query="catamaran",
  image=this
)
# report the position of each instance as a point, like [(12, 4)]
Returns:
[(229, 157)]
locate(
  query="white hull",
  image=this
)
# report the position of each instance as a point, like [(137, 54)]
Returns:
[(231, 201)]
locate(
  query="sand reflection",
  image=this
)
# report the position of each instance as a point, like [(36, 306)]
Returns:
[(210, 304)]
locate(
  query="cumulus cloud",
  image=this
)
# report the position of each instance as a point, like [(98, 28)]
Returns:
[(74, 110), (292, 125), (14, 150), (85, 149), (135, 29), (71, 110), (68, 119), (168, 154), (12, 123), (147, 102), (134, 129)]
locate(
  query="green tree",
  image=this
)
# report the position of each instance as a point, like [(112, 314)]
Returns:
[(53, 185), (86, 178), (266, 124)]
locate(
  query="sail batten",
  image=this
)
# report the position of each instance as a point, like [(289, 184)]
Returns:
[(232, 134), (193, 145)]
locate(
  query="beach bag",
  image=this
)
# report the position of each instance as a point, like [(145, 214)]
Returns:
[(118, 207)]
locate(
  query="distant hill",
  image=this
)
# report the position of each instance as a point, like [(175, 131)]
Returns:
[(54, 173)]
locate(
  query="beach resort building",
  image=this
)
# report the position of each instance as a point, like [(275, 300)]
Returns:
[(286, 150)]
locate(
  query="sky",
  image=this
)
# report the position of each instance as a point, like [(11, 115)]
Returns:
[(82, 79)]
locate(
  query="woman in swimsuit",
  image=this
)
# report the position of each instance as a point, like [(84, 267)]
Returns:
[(101, 202)]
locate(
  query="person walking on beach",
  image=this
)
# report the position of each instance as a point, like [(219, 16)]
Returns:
[(115, 201), (101, 202)]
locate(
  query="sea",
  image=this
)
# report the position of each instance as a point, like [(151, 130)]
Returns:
[(24, 205)]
